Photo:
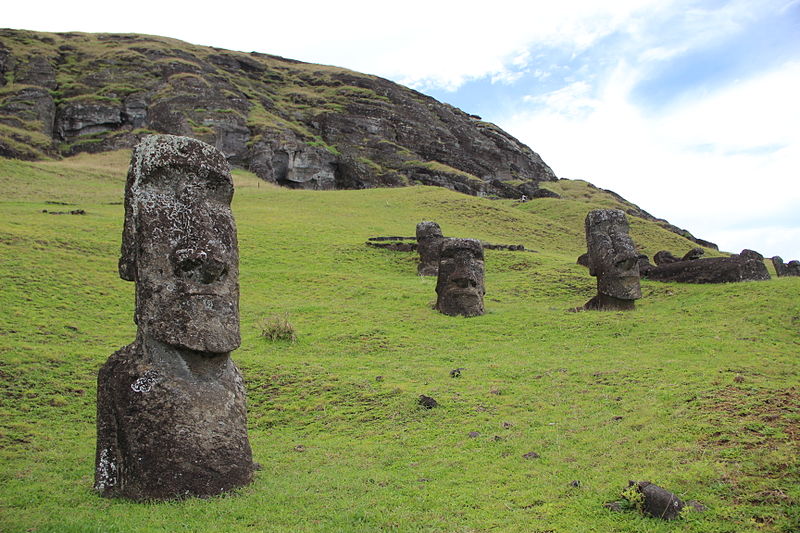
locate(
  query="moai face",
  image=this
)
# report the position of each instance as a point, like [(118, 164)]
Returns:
[(460, 286), (612, 255), (429, 242), (179, 244)]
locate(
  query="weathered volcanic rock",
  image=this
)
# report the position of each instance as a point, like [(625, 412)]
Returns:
[(292, 123), (171, 418), (694, 253), (644, 265), (612, 259), (751, 254), (780, 267), (460, 286), (429, 245), (711, 270), (664, 257), (793, 268), (658, 502)]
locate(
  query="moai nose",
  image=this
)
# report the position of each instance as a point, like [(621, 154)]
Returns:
[(198, 266)]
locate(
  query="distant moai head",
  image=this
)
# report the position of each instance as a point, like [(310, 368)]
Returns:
[(429, 242), (179, 244), (780, 268), (460, 287), (612, 255)]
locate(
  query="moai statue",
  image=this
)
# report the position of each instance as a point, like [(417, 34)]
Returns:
[(459, 286), (429, 242), (780, 267), (171, 419), (793, 268), (613, 260)]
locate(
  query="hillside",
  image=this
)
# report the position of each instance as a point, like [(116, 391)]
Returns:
[(696, 390), (297, 124)]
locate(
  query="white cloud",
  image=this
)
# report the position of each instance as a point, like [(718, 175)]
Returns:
[(746, 167)]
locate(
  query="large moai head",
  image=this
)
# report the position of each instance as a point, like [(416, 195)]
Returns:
[(179, 244), (612, 255), (429, 243), (460, 287)]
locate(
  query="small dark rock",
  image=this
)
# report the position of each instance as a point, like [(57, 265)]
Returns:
[(427, 402), (497, 438), (456, 372), (575, 483), (531, 455), (658, 502), (378, 378), (617, 418), (507, 425), (473, 434)]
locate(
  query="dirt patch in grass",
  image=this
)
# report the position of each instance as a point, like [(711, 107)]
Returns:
[(754, 418), (756, 437)]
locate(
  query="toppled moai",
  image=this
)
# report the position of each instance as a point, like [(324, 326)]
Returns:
[(658, 502), (171, 418), (711, 270), (613, 260), (460, 287), (429, 243), (664, 257), (694, 253)]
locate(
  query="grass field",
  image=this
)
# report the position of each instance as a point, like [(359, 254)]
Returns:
[(697, 390)]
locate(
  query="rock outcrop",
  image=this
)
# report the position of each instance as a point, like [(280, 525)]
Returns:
[(295, 124)]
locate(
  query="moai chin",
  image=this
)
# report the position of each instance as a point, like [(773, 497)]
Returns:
[(171, 417), (613, 260), (460, 287), (429, 242)]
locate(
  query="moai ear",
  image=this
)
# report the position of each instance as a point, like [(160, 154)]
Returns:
[(127, 260)]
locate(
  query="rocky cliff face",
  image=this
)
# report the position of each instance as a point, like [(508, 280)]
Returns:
[(296, 124)]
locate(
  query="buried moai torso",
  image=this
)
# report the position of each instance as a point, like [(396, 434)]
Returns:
[(171, 406), (460, 287), (429, 243), (612, 259)]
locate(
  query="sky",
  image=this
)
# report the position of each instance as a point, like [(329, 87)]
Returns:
[(689, 109)]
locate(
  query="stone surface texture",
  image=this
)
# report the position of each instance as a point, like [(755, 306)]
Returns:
[(429, 244), (460, 285), (613, 260), (664, 257), (171, 408), (780, 268), (295, 124), (711, 270), (659, 502)]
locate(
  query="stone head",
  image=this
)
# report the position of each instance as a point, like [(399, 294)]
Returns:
[(612, 255), (428, 230), (429, 242), (460, 286), (179, 244)]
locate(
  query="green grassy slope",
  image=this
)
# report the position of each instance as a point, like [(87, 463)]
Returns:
[(696, 390)]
